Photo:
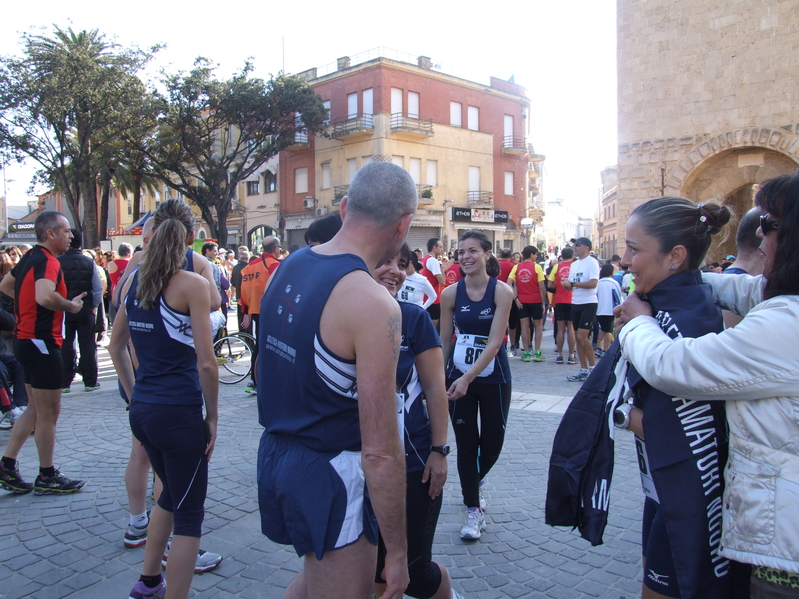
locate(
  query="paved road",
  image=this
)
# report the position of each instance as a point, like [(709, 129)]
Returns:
[(53, 547)]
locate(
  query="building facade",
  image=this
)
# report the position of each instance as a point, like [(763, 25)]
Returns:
[(708, 100), (610, 240), (463, 142)]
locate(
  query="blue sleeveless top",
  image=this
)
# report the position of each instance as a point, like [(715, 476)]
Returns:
[(472, 322), (305, 390), (161, 336)]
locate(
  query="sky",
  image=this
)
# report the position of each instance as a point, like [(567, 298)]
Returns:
[(564, 53)]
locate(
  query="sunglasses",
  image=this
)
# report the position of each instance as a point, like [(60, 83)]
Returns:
[(767, 225), (577, 244)]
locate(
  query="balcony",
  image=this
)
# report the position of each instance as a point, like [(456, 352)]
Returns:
[(425, 193), (339, 191), (360, 125), (412, 125), (300, 140), (480, 197), (512, 144)]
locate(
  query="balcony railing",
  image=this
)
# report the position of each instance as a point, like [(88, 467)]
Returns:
[(425, 193), (411, 124), (480, 197), (352, 126), (512, 144), (339, 191), (300, 140)]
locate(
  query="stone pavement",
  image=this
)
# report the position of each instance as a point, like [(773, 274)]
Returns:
[(52, 547)]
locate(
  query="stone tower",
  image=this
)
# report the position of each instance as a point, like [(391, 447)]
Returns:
[(708, 100)]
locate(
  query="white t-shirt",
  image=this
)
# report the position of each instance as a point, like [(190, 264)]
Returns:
[(604, 296), (433, 265), (583, 271), (415, 288)]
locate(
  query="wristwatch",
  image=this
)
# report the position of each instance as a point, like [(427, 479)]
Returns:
[(442, 449), (621, 415)]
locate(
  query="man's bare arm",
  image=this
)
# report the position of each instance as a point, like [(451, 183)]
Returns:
[(48, 297)]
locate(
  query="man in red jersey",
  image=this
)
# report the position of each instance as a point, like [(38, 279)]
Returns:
[(434, 271), (505, 266), (37, 285), (562, 301), (527, 280)]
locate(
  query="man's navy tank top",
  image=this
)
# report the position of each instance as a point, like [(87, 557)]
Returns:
[(305, 390)]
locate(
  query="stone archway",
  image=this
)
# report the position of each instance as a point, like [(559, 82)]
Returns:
[(724, 168)]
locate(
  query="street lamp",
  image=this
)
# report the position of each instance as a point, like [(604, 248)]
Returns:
[(5, 201)]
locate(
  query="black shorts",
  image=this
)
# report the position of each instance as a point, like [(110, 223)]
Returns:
[(660, 574), (434, 310), (606, 323), (583, 316), (563, 312), (41, 361), (534, 311)]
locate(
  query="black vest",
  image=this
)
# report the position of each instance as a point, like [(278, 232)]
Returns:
[(78, 273)]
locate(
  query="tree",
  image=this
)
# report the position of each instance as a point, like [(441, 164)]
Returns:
[(213, 134), (62, 102)]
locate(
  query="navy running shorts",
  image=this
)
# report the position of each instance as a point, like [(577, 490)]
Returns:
[(563, 312), (315, 501), (42, 363), (534, 311), (660, 574)]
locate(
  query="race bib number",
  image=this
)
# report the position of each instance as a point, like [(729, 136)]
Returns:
[(647, 483), (467, 350)]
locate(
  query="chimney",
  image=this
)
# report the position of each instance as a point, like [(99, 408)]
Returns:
[(343, 63)]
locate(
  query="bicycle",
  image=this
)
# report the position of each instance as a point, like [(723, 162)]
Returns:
[(234, 356)]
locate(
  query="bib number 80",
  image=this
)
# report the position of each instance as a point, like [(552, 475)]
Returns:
[(472, 355)]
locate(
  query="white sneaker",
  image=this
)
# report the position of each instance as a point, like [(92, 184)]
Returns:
[(6, 421), (206, 561), (16, 413), (475, 524)]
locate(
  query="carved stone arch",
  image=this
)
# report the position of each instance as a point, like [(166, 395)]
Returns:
[(724, 168)]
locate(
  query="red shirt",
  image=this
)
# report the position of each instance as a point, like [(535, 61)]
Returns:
[(253, 283), (528, 276), (505, 266), (453, 274), (560, 272), (121, 264), (432, 278), (33, 320)]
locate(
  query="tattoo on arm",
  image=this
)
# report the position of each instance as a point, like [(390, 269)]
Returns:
[(394, 328)]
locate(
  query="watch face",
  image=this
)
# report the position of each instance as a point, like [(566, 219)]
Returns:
[(442, 449)]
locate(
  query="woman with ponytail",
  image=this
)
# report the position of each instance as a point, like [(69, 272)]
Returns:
[(166, 316), (478, 375)]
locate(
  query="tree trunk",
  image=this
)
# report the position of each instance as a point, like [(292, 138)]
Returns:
[(104, 199), (90, 236), (222, 212), (137, 184)]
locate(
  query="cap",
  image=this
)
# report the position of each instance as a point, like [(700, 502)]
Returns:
[(583, 241), (730, 257)]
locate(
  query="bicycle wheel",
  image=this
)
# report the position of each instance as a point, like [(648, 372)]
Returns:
[(248, 339), (234, 357)]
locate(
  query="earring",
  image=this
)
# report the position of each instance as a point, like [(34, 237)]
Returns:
[(672, 267)]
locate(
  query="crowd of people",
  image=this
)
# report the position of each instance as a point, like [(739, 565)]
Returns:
[(368, 346)]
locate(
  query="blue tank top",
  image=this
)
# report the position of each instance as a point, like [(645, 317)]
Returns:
[(161, 336), (472, 322), (188, 263), (305, 390)]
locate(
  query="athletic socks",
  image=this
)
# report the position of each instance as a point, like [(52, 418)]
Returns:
[(9, 463), (139, 520), (47, 472), (150, 581)]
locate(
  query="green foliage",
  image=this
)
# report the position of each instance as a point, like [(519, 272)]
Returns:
[(212, 134)]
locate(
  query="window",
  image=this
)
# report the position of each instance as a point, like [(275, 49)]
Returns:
[(432, 172), (508, 125), (473, 118), (352, 168), (253, 188), (613, 206), (367, 102), (474, 178), (366, 160), (413, 105), (352, 105), (398, 161), (455, 114), (326, 104), (130, 204), (157, 199), (415, 170), (508, 183), (326, 175), (396, 100), (270, 182), (301, 180)]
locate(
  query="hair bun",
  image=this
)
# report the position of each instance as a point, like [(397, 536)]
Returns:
[(714, 216)]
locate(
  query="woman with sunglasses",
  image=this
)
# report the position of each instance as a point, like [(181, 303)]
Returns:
[(753, 367), (478, 375)]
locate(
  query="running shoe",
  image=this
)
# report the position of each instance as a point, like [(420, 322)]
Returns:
[(206, 561), (539, 357), (89, 388), (572, 360), (599, 353), (16, 413), (66, 390), (526, 356), (56, 485), (475, 524), (142, 591), (456, 595), (250, 388), (6, 421), (10, 480), (559, 359), (135, 536), (581, 375)]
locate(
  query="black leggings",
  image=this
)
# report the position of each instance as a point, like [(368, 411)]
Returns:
[(479, 447), (422, 517)]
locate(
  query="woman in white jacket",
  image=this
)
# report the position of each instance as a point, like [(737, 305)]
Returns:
[(754, 368), (416, 289)]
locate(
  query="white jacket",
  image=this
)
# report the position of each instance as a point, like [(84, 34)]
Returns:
[(755, 367)]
